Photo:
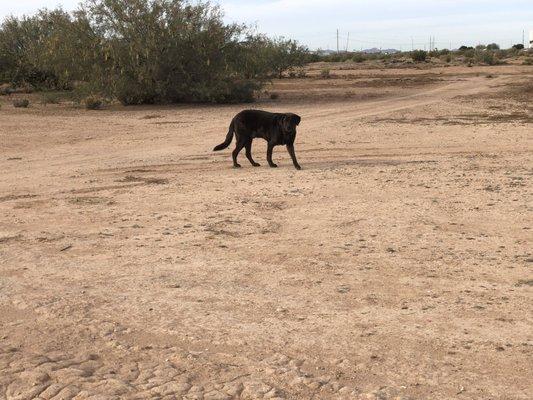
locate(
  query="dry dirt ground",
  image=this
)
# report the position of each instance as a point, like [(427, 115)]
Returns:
[(135, 263)]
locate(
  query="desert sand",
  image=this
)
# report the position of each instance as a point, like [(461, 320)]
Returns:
[(135, 263)]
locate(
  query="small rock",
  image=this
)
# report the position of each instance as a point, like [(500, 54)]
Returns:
[(343, 289)]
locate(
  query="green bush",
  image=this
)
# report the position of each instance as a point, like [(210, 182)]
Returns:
[(469, 54), (358, 58), (21, 103), (528, 61), (419, 55), (486, 57), (139, 51)]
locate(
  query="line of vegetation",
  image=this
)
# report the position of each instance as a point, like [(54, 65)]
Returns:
[(142, 51), (167, 51), (482, 55)]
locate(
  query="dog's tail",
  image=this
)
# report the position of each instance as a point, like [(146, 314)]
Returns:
[(229, 137)]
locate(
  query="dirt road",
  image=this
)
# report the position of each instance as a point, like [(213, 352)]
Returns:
[(135, 263)]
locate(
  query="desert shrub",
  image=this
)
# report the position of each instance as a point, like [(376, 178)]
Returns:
[(358, 58), (485, 57), (282, 54), (493, 46), (518, 46), (93, 103), (419, 55), (469, 54), (528, 61), (21, 103), (336, 57), (325, 73), (51, 47), (140, 51)]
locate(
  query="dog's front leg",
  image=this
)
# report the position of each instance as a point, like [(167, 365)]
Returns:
[(290, 149), (269, 155)]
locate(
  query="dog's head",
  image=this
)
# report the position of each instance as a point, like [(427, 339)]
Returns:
[(289, 122)]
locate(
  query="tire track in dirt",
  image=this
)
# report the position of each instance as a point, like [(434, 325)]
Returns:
[(347, 112)]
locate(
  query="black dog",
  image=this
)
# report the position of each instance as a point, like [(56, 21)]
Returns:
[(275, 128)]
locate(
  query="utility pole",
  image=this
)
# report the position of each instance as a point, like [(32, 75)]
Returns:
[(337, 41), (347, 42), (412, 44), (524, 38)]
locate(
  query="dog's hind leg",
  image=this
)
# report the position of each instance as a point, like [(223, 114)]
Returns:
[(240, 144), (269, 155), (248, 147)]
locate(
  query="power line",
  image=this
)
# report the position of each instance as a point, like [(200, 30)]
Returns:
[(361, 42)]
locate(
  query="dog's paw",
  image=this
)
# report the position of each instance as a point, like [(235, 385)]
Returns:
[(298, 167), (256, 165), (236, 165), (273, 165)]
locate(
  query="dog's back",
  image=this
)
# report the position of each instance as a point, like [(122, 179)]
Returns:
[(254, 120)]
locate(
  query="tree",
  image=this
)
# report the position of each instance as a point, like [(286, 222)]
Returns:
[(284, 54), (143, 51), (493, 46), (518, 46)]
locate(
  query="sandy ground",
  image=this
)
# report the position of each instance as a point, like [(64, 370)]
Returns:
[(135, 263)]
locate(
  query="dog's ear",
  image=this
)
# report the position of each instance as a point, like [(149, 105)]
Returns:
[(295, 119)]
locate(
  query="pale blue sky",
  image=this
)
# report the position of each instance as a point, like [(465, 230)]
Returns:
[(370, 23)]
